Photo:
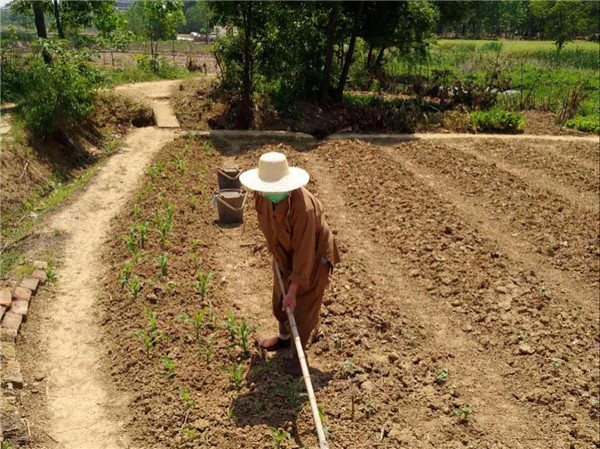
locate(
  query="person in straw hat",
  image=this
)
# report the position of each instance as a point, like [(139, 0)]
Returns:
[(299, 239)]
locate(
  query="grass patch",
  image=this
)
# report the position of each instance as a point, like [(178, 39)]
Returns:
[(46, 198), (542, 75), (135, 73)]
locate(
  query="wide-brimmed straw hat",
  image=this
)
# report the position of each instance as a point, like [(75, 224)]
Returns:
[(274, 175)]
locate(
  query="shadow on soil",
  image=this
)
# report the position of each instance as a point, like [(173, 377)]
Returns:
[(276, 398)]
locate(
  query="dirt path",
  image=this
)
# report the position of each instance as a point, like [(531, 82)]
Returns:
[(82, 413), (453, 136)]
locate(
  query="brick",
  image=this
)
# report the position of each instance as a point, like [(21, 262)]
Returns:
[(11, 374), (41, 275), (8, 335), (30, 283), (21, 307), (12, 321), (22, 293), (8, 351), (5, 297), (40, 264)]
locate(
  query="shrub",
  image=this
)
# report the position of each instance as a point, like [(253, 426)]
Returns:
[(60, 93), (496, 120), (588, 124)]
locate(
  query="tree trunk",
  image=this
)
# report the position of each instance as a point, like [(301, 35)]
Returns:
[(374, 68), (339, 94), (40, 24), (370, 55), (246, 104), (61, 34), (326, 81)]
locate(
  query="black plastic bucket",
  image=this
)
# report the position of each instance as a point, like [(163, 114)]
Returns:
[(230, 205), (229, 178)]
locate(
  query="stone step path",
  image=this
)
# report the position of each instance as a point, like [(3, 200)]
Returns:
[(163, 114)]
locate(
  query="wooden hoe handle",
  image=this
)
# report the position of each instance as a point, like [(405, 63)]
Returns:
[(309, 388)]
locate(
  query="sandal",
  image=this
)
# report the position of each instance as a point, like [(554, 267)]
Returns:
[(279, 344)]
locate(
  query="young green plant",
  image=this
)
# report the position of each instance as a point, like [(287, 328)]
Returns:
[(191, 404), (170, 365), (278, 436), (161, 261), (236, 373), (196, 321)]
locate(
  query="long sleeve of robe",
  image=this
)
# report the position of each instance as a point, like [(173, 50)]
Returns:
[(303, 246)]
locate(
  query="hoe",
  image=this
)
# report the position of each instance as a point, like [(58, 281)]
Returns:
[(309, 389)]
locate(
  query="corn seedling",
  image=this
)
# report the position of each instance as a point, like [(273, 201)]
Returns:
[(203, 284), (442, 376), (236, 372), (369, 408), (197, 322), (152, 319), (170, 286), (278, 436), (142, 230), (135, 287), (149, 339), (190, 433), (126, 272), (462, 413), (258, 406), (293, 391), (156, 169), (242, 336), (231, 325), (51, 274), (162, 263), (323, 421), (130, 241), (206, 350), (192, 200), (164, 223), (212, 317), (229, 413), (170, 365), (180, 163), (137, 211), (187, 397)]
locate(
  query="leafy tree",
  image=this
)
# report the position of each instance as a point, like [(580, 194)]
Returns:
[(197, 17), (563, 20), (402, 25), (155, 20), (39, 7), (250, 18)]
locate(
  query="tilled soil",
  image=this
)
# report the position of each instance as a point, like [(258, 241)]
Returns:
[(442, 326)]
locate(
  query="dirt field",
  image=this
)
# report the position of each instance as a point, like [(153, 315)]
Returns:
[(464, 313)]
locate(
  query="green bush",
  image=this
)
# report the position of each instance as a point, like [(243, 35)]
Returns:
[(588, 124), (14, 64), (60, 93), (496, 120)]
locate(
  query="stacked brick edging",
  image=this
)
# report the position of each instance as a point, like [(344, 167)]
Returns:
[(14, 305)]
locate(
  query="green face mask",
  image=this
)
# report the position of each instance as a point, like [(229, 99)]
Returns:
[(276, 197)]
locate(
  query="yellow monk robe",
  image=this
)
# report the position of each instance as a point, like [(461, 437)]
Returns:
[(301, 242)]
